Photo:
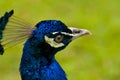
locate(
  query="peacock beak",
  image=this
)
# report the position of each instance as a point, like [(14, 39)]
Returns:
[(79, 32)]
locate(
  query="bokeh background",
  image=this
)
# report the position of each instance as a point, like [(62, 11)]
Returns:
[(95, 57)]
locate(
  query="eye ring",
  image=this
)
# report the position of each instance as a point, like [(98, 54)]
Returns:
[(58, 38)]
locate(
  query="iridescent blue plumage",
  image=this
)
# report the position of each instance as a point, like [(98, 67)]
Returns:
[(44, 40), (38, 61)]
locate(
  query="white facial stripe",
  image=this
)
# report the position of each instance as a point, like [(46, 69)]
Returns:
[(67, 34), (52, 43), (54, 32)]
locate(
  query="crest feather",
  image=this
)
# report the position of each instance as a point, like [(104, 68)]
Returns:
[(15, 31)]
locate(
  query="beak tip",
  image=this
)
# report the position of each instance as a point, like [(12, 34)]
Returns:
[(88, 32), (85, 32)]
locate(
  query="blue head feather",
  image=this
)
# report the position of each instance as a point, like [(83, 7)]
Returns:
[(48, 26)]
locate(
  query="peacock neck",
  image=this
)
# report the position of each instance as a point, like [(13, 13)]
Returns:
[(38, 62), (39, 49)]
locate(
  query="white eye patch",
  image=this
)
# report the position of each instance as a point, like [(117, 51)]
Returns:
[(52, 43)]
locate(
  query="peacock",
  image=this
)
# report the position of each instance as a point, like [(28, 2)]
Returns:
[(43, 41)]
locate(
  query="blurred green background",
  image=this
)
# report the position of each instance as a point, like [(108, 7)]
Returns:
[(95, 57)]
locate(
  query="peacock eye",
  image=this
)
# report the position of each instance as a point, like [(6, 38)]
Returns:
[(58, 38)]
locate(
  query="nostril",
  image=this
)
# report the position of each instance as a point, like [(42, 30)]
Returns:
[(76, 31)]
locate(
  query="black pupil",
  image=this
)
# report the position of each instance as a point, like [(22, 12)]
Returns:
[(58, 38)]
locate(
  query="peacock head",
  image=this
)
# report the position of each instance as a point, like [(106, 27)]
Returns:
[(56, 34), (47, 35)]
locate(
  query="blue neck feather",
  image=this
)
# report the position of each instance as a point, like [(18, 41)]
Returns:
[(38, 62)]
